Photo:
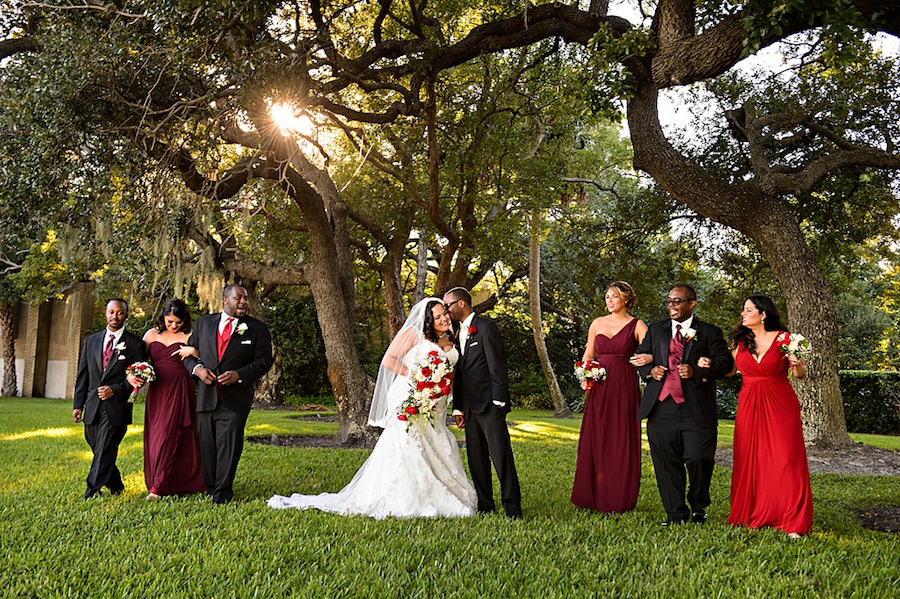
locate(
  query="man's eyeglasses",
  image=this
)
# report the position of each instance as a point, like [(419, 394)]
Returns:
[(448, 304), (675, 302)]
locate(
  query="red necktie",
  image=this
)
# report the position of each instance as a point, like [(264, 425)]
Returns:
[(224, 337), (107, 351), (679, 338)]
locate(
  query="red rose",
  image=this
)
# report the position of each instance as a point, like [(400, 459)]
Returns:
[(436, 361), (471, 330), (412, 410), (433, 353), (420, 385), (426, 371), (402, 417)]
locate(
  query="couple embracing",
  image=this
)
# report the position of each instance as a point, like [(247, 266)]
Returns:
[(416, 471)]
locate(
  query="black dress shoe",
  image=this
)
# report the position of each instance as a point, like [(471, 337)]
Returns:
[(699, 517), (90, 494), (671, 522)]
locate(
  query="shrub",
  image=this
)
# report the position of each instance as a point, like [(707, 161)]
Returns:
[(528, 388), (727, 390), (871, 401)]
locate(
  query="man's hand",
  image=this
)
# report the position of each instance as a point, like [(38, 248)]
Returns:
[(105, 392), (460, 421), (77, 415), (229, 377), (205, 374), (686, 371), (658, 372)]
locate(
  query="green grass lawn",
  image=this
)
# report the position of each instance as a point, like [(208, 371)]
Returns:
[(55, 544)]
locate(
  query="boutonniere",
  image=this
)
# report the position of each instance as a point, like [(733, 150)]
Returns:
[(472, 329), (241, 328), (120, 346), (689, 335)]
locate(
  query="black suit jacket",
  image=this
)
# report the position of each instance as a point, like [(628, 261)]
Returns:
[(481, 372), (699, 391), (249, 353), (91, 376)]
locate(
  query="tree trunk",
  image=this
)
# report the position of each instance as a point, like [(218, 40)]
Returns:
[(811, 305), (8, 341), (268, 388), (393, 292), (421, 269), (560, 409), (352, 388)]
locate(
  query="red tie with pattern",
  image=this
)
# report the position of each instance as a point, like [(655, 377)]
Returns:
[(108, 350), (224, 337)]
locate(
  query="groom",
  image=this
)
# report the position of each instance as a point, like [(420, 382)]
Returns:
[(101, 395), (235, 352), (481, 403), (679, 403)]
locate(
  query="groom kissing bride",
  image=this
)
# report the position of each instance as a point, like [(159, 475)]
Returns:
[(481, 403), (416, 471)]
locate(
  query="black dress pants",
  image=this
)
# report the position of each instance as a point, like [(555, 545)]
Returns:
[(679, 446)]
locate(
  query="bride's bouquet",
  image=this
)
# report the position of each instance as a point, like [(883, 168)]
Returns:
[(432, 380), (143, 371), (794, 344), (589, 372)]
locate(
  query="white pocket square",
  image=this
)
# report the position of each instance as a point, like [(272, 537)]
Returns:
[(247, 342), (121, 357), (473, 344)]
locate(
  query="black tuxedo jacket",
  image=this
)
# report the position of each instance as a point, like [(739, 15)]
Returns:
[(91, 375), (249, 353), (699, 391), (481, 373)]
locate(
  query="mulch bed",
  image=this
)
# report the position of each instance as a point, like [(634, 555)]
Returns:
[(883, 518)]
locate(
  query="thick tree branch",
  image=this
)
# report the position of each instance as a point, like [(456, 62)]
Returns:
[(11, 46)]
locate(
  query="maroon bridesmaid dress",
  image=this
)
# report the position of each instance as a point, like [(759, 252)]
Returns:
[(770, 480), (171, 454), (608, 470)]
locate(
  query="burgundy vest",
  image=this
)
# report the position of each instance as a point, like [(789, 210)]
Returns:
[(672, 381)]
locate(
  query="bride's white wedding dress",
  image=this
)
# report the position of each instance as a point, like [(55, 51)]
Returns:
[(411, 474)]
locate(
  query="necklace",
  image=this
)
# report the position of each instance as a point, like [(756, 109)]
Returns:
[(443, 335)]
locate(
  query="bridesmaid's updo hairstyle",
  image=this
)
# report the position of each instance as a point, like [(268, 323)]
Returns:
[(771, 322), (626, 292), (428, 327), (178, 309)]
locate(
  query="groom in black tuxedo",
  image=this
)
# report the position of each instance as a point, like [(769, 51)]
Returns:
[(235, 352), (481, 403), (101, 395), (679, 403)]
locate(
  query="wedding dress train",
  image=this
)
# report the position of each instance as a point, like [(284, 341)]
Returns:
[(410, 474)]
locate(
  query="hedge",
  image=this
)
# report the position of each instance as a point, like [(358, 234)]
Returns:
[(871, 400)]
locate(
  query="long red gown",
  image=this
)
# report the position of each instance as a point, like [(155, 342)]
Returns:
[(171, 454), (608, 469), (770, 480)]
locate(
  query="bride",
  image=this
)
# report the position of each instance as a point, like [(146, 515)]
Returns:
[(410, 473)]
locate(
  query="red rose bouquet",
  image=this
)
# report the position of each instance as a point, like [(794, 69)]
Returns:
[(143, 371), (589, 372), (431, 381)]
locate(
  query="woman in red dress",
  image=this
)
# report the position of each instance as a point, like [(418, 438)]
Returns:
[(770, 479), (608, 468), (171, 454)]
